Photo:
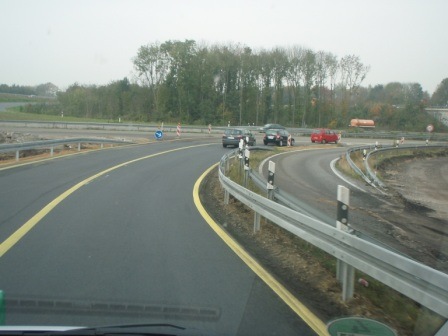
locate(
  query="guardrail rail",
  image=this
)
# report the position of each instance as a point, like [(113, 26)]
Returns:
[(51, 144), (415, 280)]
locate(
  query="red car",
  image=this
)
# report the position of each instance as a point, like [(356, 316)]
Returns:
[(324, 135)]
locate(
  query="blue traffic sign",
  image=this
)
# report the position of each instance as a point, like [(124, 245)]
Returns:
[(158, 135)]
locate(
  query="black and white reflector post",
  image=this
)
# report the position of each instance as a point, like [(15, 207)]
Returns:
[(271, 173), (343, 203), (246, 166), (240, 147), (344, 272)]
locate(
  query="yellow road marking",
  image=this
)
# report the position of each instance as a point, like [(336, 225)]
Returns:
[(25, 228), (298, 307)]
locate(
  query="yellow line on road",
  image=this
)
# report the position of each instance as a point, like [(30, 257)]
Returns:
[(298, 307), (25, 228)]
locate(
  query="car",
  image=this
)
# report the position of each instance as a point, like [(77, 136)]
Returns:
[(232, 137), (324, 135), (278, 136), (270, 126)]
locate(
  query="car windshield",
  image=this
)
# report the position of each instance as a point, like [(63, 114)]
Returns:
[(224, 167)]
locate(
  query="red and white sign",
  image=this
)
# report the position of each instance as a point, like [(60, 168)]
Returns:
[(178, 129)]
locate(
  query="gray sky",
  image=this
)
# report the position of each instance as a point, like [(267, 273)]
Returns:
[(94, 41)]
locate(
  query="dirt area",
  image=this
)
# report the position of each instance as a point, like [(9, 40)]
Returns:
[(294, 263), (418, 200)]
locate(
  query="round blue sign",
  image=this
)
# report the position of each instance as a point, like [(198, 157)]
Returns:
[(158, 135)]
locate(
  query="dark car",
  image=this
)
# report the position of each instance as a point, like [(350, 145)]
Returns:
[(270, 126), (232, 137), (324, 135), (279, 137)]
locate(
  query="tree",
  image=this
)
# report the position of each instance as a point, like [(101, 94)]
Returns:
[(309, 71), (440, 96), (353, 72), (152, 64)]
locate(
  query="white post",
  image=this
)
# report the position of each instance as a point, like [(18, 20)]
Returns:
[(246, 166), (270, 184), (344, 272)]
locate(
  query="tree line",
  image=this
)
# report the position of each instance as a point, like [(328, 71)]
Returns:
[(43, 90), (182, 81)]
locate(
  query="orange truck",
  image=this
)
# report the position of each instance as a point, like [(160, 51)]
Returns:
[(362, 123)]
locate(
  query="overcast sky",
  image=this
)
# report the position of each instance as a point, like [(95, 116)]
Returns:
[(94, 41)]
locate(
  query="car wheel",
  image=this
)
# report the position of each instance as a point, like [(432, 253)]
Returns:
[(324, 141), (265, 142), (292, 142)]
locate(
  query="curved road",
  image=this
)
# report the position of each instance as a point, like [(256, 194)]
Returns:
[(307, 175), (114, 237)]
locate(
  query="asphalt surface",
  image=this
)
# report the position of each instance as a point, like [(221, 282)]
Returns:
[(127, 247), (308, 176)]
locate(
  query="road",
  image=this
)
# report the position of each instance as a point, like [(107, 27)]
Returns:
[(126, 246), (308, 175), (385, 220)]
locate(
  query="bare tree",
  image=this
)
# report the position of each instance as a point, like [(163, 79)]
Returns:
[(152, 65), (353, 72)]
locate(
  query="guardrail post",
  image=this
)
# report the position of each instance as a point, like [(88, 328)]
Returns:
[(226, 197), (270, 184), (257, 218), (51, 150), (79, 146), (348, 284), (344, 272), (17, 155)]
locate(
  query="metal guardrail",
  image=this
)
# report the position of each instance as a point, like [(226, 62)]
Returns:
[(371, 176), (417, 281), (297, 131), (51, 144)]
